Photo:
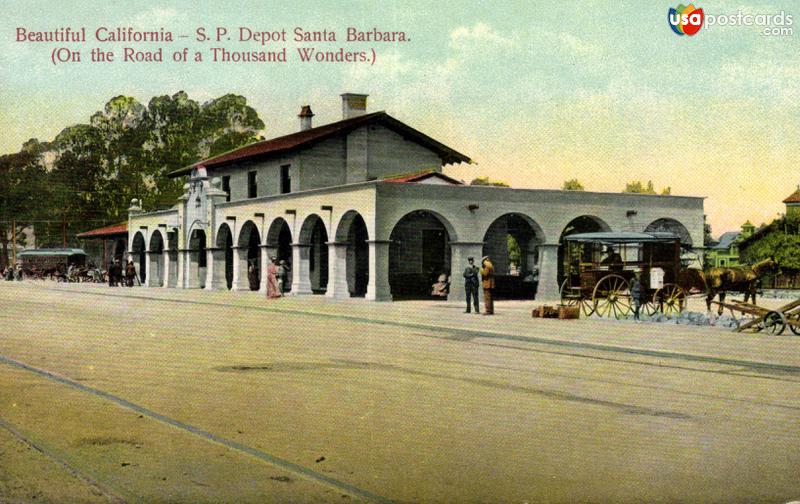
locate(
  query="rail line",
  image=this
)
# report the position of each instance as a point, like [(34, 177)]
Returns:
[(208, 436), (114, 495)]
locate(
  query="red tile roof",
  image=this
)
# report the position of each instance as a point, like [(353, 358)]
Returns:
[(307, 138), (103, 232), (420, 176), (794, 197)]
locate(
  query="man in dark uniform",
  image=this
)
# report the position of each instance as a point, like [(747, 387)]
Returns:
[(471, 284)]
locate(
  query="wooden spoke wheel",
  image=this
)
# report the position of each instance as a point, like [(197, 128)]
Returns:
[(795, 317), (612, 297), (774, 323), (670, 299), (570, 298), (648, 307)]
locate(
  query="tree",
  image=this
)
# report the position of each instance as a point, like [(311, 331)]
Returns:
[(485, 181), (514, 250), (638, 187), (21, 193), (89, 173), (666, 191), (572, 185)]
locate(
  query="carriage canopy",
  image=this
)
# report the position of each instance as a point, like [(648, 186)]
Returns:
[(625, 237)]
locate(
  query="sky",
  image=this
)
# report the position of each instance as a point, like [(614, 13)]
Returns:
[(534, 92)]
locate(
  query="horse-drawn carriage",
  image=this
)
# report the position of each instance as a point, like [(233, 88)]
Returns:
[(599, 267), (51, 263)]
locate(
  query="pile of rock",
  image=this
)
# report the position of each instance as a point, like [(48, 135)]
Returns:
[(724, 321)]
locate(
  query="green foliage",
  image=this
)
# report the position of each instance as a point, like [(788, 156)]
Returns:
[(707, 238), (90, 172), (780, 240), (514, 250), (638, 187), (485, 181), (572, 185)]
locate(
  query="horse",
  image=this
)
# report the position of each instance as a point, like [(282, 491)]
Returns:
[(741, 278)]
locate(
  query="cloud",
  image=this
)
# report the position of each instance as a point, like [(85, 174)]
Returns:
[(157, 17), (480, 35)]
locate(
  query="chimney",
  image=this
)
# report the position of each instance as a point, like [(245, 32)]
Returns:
[(305, 116), (353, 105)]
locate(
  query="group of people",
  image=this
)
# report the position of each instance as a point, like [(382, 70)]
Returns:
[(117, 276), (475, 278), (277, 275), (12, 273)]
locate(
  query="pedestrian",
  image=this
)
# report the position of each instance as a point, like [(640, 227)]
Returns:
[(471, 284), (273, 287), (487, 278), (130, 273), (18, 273), (252, 276), (283, 276), (113, 272), (636, 295)]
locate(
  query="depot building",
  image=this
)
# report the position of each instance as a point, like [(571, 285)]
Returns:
[(360, 208)]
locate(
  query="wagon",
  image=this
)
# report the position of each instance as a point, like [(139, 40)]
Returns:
[(598, 268), (757, 318)]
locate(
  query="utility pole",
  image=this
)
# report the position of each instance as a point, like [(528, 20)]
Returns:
[(13, 242)]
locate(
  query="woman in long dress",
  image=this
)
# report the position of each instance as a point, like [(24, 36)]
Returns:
[(273, 291)]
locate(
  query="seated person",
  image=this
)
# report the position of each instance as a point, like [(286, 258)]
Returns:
[(612, 259), (442, 286)]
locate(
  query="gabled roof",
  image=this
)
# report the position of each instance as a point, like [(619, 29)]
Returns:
[(114, 230), (416, 177), (309, 137), (794, 197), (726, 240)]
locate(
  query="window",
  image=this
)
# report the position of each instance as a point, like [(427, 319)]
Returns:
[(286, 179), (252, 187), (226, 186)]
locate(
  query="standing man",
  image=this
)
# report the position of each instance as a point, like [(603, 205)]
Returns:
[(487, 275), (471, 284), (636, 295)]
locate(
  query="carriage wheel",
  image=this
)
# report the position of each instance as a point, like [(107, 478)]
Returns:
[(774, 323), (649, 307), (795, 317), (612, 297), (587, 306), (670, 299)]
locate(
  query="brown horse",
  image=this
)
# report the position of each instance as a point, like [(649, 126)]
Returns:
[(741, 279)]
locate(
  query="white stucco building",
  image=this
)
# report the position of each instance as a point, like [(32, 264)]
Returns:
[(360, 207)]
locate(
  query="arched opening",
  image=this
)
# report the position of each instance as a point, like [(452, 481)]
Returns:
[(582, 224), (668, 225), (419, 253), (250, 254), (197, 258), (138, 256), (223, 257), (120, 247), (172, 250), (156, 259), (279, 246), (314, 235), (512, 241), (353, 231)]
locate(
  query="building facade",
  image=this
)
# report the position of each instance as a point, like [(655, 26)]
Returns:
[(360, 207), (725, 252)]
